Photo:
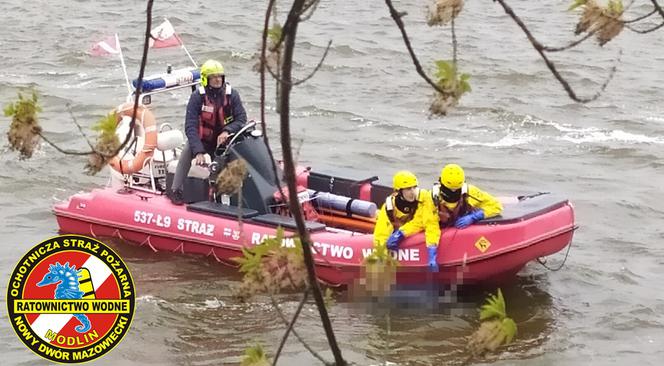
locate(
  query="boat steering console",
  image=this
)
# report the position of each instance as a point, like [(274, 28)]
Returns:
[(220, 158)]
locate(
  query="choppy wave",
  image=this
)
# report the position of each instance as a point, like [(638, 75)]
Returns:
[(519, 134), (150, 299), (207, 304), (509, 140), (596, 135)]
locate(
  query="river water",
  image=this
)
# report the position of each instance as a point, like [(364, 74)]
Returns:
[(365, 113)]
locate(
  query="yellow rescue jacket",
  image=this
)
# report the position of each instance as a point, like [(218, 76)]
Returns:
[(425, 219), (474, 198)]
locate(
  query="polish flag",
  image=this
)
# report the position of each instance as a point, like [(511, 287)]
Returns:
[(164, 36), (109, 46)]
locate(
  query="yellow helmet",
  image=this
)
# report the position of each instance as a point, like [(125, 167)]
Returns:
[(404, 179), (452, 176), (210, 67)]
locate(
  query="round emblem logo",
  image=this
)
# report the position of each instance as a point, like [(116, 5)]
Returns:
[(71, 299)]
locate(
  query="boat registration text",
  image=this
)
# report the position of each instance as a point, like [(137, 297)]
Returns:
[(164, 221)]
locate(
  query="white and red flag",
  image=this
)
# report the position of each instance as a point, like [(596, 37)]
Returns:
[(109, 46), (164, 36)]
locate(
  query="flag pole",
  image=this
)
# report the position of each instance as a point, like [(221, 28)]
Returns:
[(124, 67), (188, 54)]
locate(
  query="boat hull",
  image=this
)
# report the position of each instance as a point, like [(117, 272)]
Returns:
[(489, 252)]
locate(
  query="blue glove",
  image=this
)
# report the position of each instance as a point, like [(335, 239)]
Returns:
[(433, 262), (394, 239), (469, 219)]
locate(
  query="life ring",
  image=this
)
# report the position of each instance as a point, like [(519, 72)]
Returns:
[(146, 120)]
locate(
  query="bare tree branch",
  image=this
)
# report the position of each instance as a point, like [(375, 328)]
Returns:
[(141, 71), (297, 335), (454, 44), (644, 31), (80, 129), (539, 48), (133, 118), (307, 6), (263, 66), (299, 18), (640, 18), (397, 19), (290, 31), (273, 74), (572, 44), (290, 324), (298, 82), (320, 63), (593, 32), (659, 9), (266, 26), (68, 152)]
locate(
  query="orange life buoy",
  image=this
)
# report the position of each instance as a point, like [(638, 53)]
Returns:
[(144, 118)]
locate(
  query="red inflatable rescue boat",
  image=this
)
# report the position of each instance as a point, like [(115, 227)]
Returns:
[(340, 214)]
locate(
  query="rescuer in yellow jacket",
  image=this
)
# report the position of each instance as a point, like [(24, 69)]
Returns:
[(407, 211), (461, 204)]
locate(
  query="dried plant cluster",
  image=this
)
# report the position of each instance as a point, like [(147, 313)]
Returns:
[(230, 179), (442, 103), (496, 328), (441, 12), (605, 22), (453, 84), (274, 48), (379, 274), (271, 267), (254, 356), (106, 145), (24, 130)]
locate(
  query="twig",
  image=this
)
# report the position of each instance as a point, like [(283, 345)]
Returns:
[(594, 31), (68, 152), (388, 330), (299, 144), (320, 63), (454, 46), (648, 30), (290, 324), (397, 19), (133, 118), (644, 31), (266, 25), (263, 66), (572, 44), (274, 75), (307, 6), (539, 48), (659, 9), (297, 335), (290, 31), (640, 18), (144, 58), (80, 129)]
